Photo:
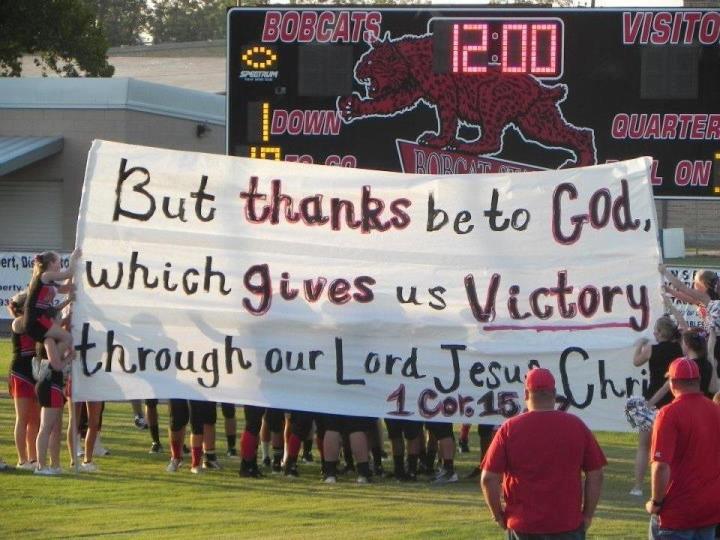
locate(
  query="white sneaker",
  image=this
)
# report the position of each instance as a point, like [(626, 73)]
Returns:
[(47, 471), (56, 470), (100, 450), (636, 492), (88, 466), (445, 477), (196, 470), (330, 480), (27, 466), (174, 465)]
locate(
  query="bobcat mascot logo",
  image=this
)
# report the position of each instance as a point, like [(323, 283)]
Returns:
[(398, 75)]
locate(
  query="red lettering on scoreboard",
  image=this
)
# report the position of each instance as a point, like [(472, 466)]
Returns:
[(321, 27), (693, 173), (311, 122), (419, 159), (665, 27), (670, 126)]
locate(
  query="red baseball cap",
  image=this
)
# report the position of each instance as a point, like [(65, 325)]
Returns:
[(540, 379), (683, 368)]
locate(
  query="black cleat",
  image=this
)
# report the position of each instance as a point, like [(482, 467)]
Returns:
[(403, 476), (156, 448), (349, 467), (249, 470), (290, 471)]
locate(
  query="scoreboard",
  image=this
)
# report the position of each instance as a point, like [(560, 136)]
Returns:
[(455, 90)]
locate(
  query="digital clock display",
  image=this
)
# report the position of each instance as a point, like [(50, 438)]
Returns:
[(531, 46)]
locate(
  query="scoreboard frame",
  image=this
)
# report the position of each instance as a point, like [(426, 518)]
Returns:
[(452, 90)]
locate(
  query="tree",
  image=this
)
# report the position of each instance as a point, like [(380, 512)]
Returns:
[(62, 35), (361, 2), (188, 20), (122, 21)]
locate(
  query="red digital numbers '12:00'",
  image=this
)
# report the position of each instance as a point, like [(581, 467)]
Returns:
[(530, 46)]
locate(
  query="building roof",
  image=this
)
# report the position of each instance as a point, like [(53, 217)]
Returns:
[(115, 93), (18, 152), (198, 65)]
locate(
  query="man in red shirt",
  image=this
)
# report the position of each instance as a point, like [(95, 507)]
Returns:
[(540, 456), (685, 455)]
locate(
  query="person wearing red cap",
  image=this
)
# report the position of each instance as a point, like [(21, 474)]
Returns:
[(685, 499), (539, 456)]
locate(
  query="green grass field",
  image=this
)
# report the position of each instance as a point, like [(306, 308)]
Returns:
[(133, 497)]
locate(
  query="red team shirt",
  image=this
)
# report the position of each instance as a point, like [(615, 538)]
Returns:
[(687, 437), (541, 455)]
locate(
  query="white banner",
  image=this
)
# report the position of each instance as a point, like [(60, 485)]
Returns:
[(362, 292), (15, 272)]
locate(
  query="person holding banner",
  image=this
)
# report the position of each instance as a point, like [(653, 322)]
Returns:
[(249, 440), (228, 412), (94, 418), (540, 477), (179, 415), (704, 294), (151, 413), (685, 501), (442, 432), (22, 388), (38, 321), (357, 428), (658, 357), (694, 347), (411, 431), (203, 416), (50, 393)]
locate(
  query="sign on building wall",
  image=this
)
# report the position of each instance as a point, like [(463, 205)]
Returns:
[(15, 272), (362, 292)]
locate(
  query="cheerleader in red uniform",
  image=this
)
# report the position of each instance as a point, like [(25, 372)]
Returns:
[(22, 388), (38, 321)]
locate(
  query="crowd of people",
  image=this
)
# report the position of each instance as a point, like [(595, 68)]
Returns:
[(533, 489)]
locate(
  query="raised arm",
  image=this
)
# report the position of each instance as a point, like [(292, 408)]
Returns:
[(61, 275), (675, 313), (642, 351), (681, 291)]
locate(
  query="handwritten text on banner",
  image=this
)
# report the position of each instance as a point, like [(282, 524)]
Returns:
[(362, 292)]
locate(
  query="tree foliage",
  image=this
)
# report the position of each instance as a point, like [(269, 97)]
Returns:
[(122, 21), (361, 2), (62, 35), (188, 20)]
